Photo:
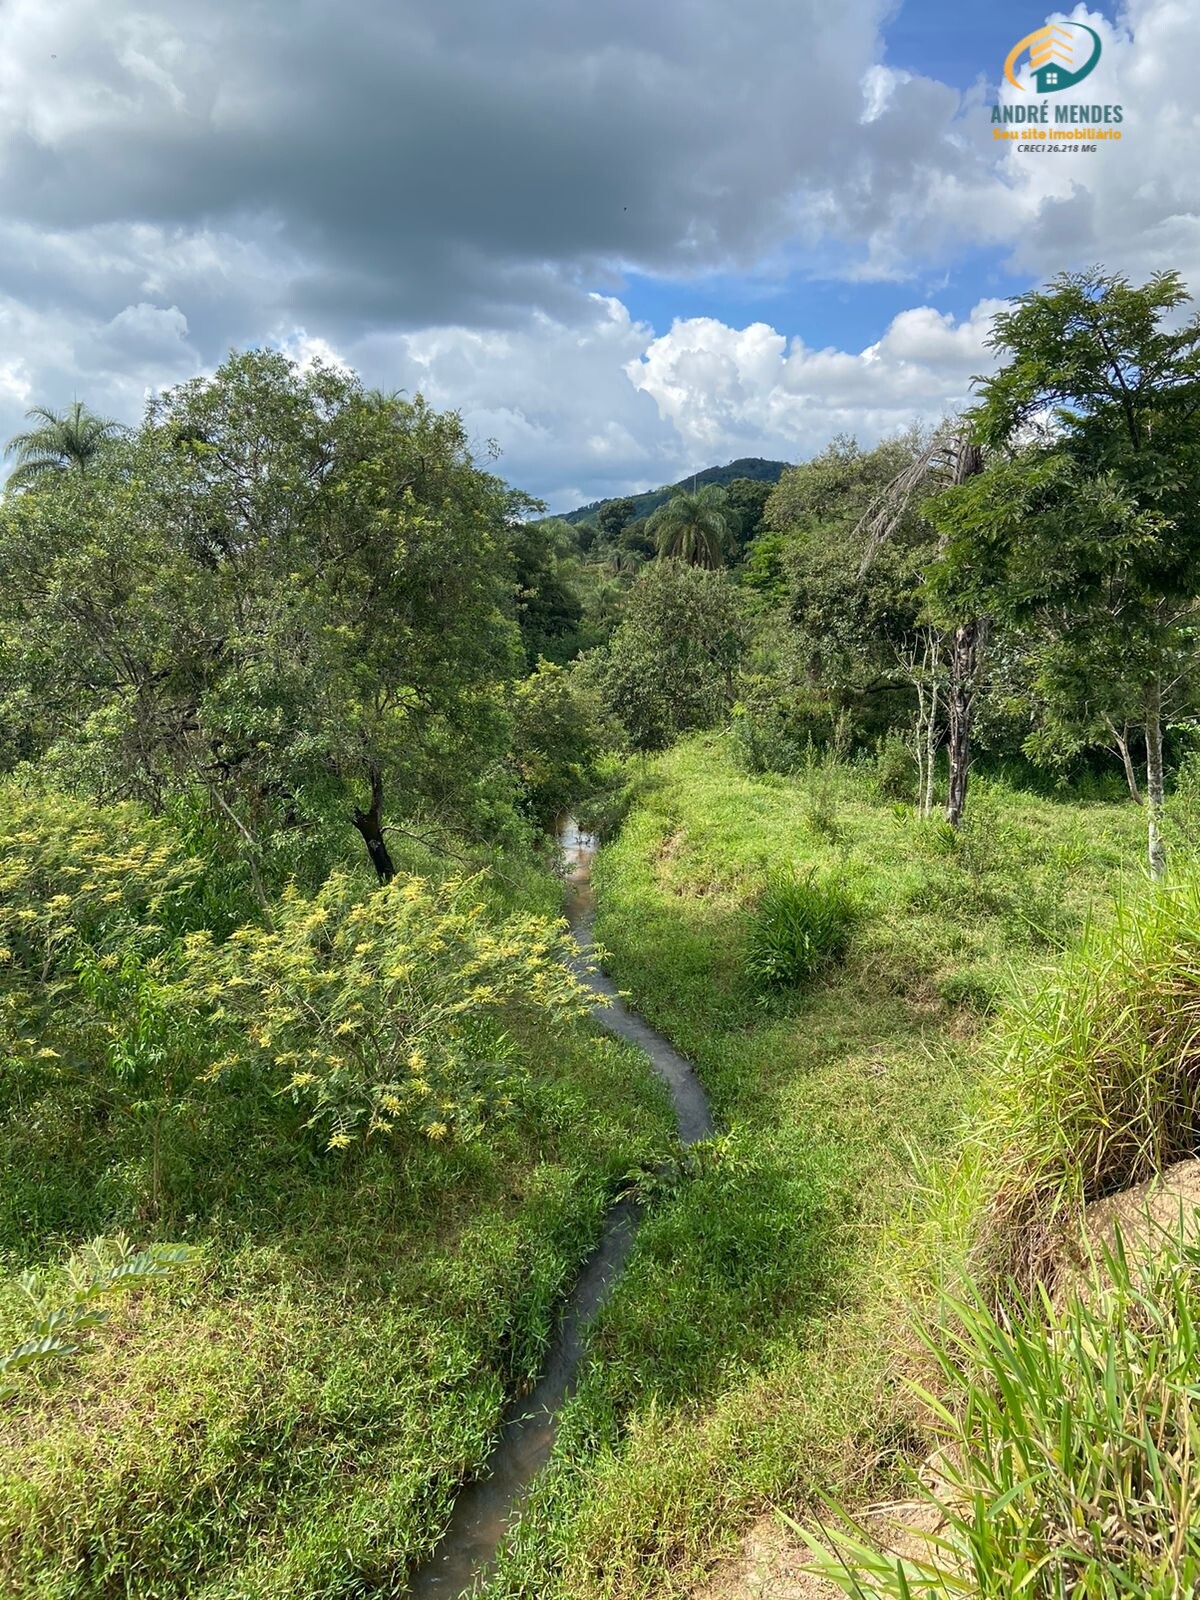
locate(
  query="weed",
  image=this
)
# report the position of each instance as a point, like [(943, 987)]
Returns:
[(801, 924)]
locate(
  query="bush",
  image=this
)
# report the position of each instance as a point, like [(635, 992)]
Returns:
[(779, 727), (896, 771), (1098, 1082), (801, 924), (559, 731)]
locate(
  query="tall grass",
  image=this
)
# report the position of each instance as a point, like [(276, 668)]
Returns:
[(1069, 1442), (800, 924), (1095, 1082)]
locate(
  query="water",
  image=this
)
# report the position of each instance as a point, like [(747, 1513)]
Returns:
[(690, 1102), (488, 1507)]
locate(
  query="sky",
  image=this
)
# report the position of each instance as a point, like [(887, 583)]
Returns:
[(625, 240)]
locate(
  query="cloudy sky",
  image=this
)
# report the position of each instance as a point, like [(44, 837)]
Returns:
[(626, 238)]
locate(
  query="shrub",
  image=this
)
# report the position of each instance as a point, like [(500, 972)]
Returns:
[(800, 924), (1097, 1086), (779, 727), (896, 771), (559, 730), (65, 1314), (389, 1012)]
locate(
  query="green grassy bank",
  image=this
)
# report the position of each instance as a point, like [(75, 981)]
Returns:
[(290, 1416), (745, 1358)]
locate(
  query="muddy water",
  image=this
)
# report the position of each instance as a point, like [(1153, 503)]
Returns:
[(488, 1507), (691, 1106)]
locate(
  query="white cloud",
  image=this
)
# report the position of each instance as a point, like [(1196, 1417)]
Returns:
[(431, 202)]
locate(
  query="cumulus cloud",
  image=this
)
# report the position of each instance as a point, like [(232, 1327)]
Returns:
[(435, 195)]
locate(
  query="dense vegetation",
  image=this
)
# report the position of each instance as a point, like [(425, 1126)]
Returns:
[(306, 1126)]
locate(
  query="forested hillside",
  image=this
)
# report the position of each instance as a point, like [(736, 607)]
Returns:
[(310, 1125), (751, 469)]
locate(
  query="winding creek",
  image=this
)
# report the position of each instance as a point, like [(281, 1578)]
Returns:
[(487, 1507)]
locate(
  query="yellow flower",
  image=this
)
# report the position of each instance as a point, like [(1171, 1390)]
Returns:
[(339, 1141), (436, 1130)]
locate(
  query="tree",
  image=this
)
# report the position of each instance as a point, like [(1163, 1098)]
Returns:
[(1087, 525), (613, 517), (747, 498), (854, 611), (693, 526), (70, 439), (548, 607), (671, 666), (281, 594), (559, 731)]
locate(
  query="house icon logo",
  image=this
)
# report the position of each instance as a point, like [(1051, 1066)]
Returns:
[(1061, 55)]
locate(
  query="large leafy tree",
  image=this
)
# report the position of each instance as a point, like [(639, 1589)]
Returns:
[(61, 441), (671, 666), (549, 610), (851, 610), (1085, 529), (694, 526), (287, 595)]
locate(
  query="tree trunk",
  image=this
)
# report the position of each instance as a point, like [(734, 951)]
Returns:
[(931, 745), (965, 651), (1155, 848), (1121, 742), (370, 825)]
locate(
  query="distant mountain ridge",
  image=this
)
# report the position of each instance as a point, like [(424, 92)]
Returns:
[(755, 467)]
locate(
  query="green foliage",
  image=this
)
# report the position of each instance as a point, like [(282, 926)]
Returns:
[(746, 501), (1095, 1087), (850, 617), (549, 612), (694, 527), (895, 770), (779, 726), (387, 1012), (283, 592), (65, 1315), (800, 924), (1068, 1434), (1087, 535), (560, 731), (296, 1419), (672, 664)]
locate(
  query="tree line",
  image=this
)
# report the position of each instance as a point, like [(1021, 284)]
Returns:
[(293, 602)]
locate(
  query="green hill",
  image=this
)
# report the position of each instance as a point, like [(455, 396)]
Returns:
[(756, 467)]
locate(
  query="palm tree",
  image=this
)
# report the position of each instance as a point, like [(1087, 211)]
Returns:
[(693, 526), (70, 439)]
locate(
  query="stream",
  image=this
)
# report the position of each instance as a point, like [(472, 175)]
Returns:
[(488, 1506)]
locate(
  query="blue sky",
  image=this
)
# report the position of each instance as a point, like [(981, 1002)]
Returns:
[(954, 43), (623, 240)]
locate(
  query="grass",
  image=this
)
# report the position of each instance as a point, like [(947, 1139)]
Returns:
[(744, 1359), (292, 1416), (798, 926), (1068, 1437)]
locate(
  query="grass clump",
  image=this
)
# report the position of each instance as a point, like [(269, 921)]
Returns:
[(1068, 1440), (1095, 1083), (801, 924)]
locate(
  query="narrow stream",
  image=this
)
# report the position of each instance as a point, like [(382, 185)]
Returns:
[(488, 1507)]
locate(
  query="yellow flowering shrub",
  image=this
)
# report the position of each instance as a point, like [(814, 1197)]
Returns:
[(78, 876), (386, 1012), (376, 1012)]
